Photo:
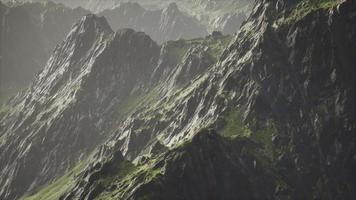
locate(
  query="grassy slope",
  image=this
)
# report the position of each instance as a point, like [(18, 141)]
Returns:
[(235, 127), (58, 187)]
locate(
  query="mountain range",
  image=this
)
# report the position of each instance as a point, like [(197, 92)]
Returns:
[(31, 31), (161, 25), (268, 113), (219, 15)]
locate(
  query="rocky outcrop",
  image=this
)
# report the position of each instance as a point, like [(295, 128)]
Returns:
[(59, 118)]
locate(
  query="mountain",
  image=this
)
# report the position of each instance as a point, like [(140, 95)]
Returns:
[(215, 15), (269, 116), (221, 15), (228, 173), (289, 113), (92, 5), (30, 31), (93, 80), (161, 25)]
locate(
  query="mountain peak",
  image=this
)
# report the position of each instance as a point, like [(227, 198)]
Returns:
[(172, 7), (86, 32), (128, 33), (92, 21)]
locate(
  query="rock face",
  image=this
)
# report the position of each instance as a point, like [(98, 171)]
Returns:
[(305, 86), (296, 104), (49, 126), (29, 33), (92, 81), (275, 110), (162, 25)]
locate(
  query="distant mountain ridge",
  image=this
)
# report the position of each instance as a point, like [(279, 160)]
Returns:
[(162, 25), (219, 15)]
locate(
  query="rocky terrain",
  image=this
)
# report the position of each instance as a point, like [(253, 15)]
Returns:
[(92, 80), (269, 115), (29, 33)]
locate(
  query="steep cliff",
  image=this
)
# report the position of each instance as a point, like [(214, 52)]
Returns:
[(59, 118)]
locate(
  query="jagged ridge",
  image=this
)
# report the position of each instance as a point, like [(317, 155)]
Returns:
[(295, 89), (86, 89)]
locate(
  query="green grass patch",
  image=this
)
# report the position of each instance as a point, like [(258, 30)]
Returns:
[(57, 188), (306, 6), (128, 177), (235, 126), (122, 170), (264, 136)]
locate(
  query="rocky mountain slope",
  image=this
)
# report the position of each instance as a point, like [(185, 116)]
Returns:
[(29, 33), (161, 25), (63, 102), (280, 123), (93, 80)]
